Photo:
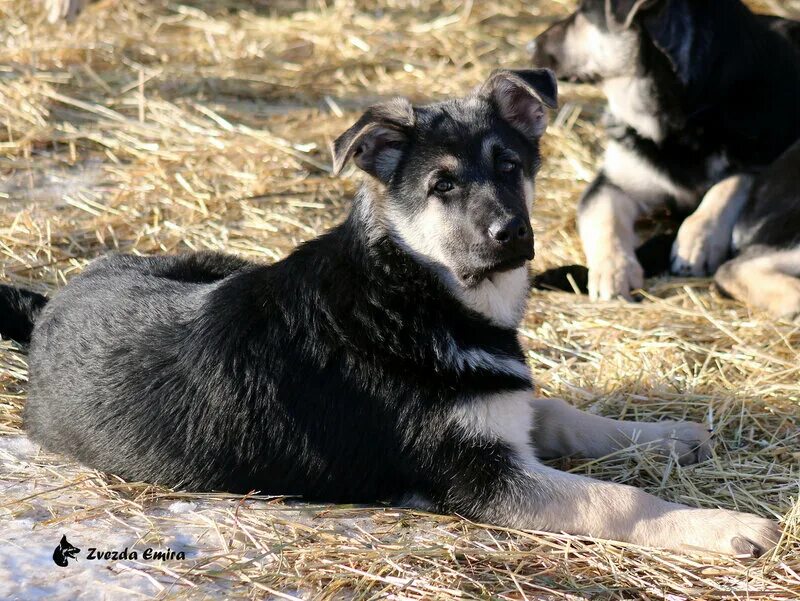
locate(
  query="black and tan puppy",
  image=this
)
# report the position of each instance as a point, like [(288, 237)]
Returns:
[(765, 269), (698, 91), (377, 362)]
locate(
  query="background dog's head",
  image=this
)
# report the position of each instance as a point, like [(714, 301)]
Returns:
[(453, 181), (594, 43), (604, 39)]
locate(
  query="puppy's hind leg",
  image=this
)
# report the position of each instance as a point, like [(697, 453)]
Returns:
[(560, 430), (768, 281)]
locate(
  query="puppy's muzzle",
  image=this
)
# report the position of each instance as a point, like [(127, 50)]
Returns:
[(511, 239)]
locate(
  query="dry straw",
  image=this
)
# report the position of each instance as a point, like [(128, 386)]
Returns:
[(161, 126)]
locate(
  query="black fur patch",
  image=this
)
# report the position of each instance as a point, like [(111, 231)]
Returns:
[(18, 311), (771, 217), (740, 74)]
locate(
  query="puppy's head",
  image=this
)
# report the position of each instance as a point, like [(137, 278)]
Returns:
[(604, 39), (453, 181)]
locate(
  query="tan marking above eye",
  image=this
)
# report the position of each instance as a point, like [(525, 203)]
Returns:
[(447, 163)]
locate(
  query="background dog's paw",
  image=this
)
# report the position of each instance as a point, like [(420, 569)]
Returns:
[(786, 303), (689, 441), (700, 248), (67, 10), (614, 275)]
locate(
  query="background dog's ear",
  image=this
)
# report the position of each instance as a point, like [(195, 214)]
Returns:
[(673, 29), (623, 12), (375, 142), (521, 97)]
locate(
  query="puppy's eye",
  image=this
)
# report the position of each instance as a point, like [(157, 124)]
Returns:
[(506, 166), (443, 185)]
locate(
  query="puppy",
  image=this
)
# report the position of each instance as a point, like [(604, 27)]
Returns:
[(377, 362), (698, 91), (765, 270)]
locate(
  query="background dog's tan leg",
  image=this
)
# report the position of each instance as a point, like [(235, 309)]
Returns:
[(64, 9), (561, 429), (770, 281), (704, 238), (606, 223)]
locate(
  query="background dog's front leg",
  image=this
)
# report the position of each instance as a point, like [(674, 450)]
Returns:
[(704, 238), (64, 9), (560, 429), (606, 218)]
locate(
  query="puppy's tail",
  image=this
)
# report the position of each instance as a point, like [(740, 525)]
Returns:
[(653, 255), (18, 311)]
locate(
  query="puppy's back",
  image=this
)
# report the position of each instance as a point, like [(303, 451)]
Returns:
[(116, 326)]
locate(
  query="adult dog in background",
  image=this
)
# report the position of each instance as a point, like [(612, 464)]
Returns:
[(377, 362), (698, 91)]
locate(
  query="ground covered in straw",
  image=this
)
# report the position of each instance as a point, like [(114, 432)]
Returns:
[(165, 126)]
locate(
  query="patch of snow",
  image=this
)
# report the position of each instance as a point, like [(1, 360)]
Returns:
[(54, 185), (182, 507), (30, 533)]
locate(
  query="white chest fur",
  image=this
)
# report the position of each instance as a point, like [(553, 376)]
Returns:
[(504, 417), (501, 297), (640, 179)]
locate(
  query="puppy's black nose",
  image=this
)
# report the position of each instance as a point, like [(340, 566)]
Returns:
[(507, 231)]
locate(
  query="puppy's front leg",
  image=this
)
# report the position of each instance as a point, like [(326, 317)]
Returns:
[(550, 500), (704, 238), (606, 218), (490, 473), (560, 429)]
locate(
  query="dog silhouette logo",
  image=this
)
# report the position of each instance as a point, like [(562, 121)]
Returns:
[(64, 552)]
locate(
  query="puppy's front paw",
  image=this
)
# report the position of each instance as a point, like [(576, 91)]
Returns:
[(689, 441), (701, 246), (614, 274), (731, 532)]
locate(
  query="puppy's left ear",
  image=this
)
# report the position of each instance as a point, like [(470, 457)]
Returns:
[(521, 97)]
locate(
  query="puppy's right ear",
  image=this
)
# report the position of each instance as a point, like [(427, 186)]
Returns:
[(377, 139)]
